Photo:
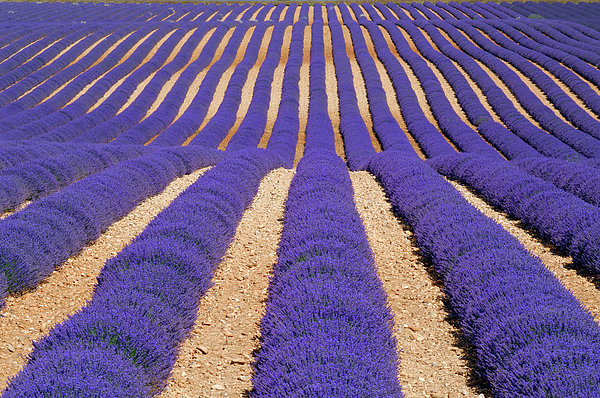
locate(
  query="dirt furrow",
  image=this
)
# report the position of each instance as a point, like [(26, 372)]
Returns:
[(248, 88), (276, 88), (216, 360), (432, 361), (584, 288), (28, 317)]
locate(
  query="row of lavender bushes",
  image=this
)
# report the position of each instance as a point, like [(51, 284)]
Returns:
[(532, 338), (327, 330), (124, 341), (36, 240)]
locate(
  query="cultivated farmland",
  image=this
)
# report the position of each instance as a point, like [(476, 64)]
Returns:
[(300, 200)]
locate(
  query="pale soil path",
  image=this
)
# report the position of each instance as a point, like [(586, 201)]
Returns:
[(555, 79), (361, 90), (143, 84), (432, 362), (448, 90), (216, 360), (303, 86), (195, 85), (390, 94), (77, 59), (123, 59), (276, 87), (248, 88), (584, 288), (333, 102), (30, 316), (416, 86), (100, 59), (219, 92)]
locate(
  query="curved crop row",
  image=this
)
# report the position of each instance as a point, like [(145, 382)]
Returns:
[(531, 337), (189, 122), (326, 330), (253, 124), (12, 120), (40, 177), (569, 223), (85, 123), (223, 120), (357, 140), (124, 341), (36, 240)]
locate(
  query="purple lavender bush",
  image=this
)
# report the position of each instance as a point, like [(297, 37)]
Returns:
[(124, 342), (327, 330), (532, 338)]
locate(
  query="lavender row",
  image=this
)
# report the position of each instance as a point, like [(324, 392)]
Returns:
[(223, 120), (93, 123), (525, 138), (327, 329), (430, 140), (253, 125), (36, 56), (357, 140), (579, 140), (36, 240), (34, 79), (167, 110), (12, 119), (189, 122), (503, 106), (568, 222), (319, 129), (580, 179), (41, 177), (15, 99), (545, 50), (557, 97), (77, 111), (386, 127), (134, 129), (124, 342), (588, 15), (284, 136), (531, 337), (451, 124)]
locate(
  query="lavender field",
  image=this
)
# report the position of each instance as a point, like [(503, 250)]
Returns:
[(282, 199)]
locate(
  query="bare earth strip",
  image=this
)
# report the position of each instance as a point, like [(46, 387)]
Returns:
[(333, 102), (390, 94), (583, 288), (432, 363), (193, 88), (448, 90), (303, 86), (167, 86), (416, 86), (221, 88), (555, 79), (77, 59), (142, 85), (248, 88), (530, 84), (102, 57), (28, 317), (361, 91), (216, 359), (276, 88)]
